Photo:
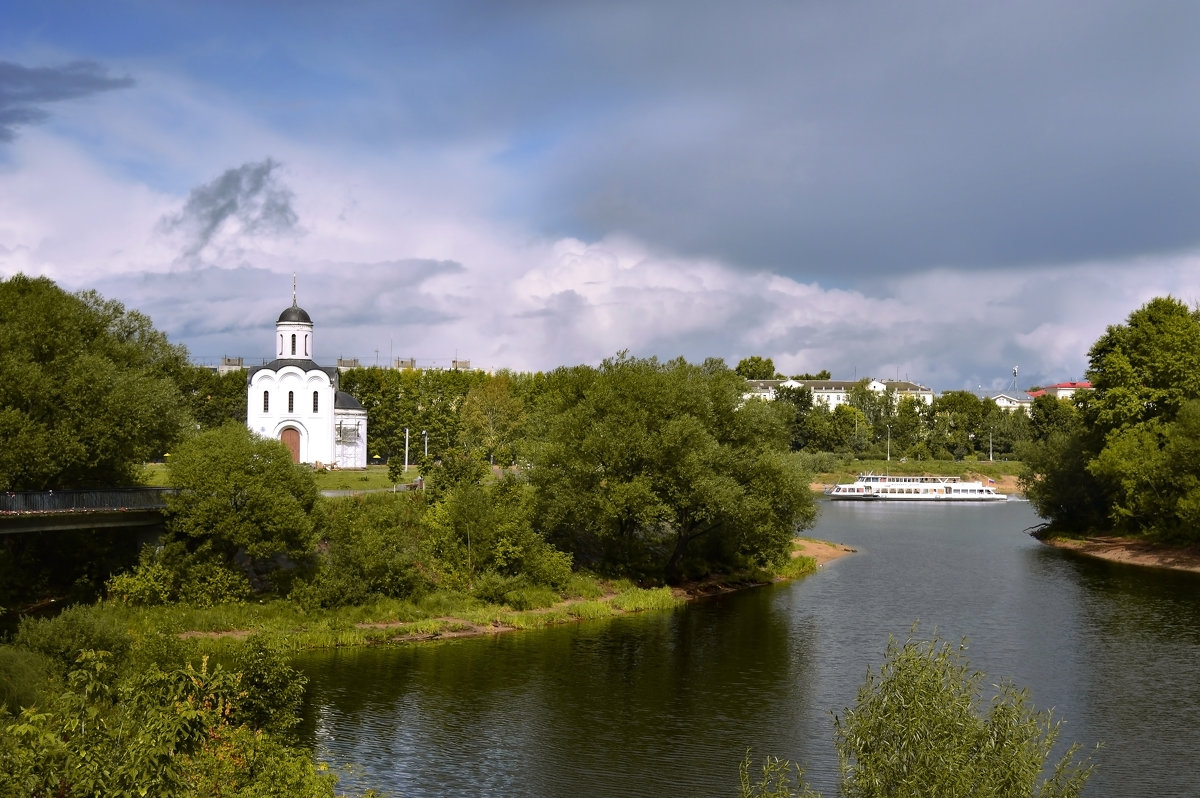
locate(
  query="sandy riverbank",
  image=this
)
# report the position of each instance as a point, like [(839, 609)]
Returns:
[(1132, 551), (820, 550)]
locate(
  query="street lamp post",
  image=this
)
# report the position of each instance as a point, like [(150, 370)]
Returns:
[(406, 450), (425, 435), (989, 445), (889, 447)]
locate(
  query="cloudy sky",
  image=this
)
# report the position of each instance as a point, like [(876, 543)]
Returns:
[(937, 191)]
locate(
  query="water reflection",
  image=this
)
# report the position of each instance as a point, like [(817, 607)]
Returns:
[(666, 703)]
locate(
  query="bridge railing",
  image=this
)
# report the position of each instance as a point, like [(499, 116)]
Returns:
[(67, 501)]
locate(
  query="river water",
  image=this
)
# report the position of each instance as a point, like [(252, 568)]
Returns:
[(667, 703)]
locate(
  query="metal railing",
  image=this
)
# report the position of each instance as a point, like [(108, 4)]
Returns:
[(73, 501)]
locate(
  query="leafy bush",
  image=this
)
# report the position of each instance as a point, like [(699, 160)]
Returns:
[(24, 677), (179, 731), (492, 587), (372, 548), (75, 629), (822, 462), (775, 782), (919, 727), (151, 584), (210, 582), (273, 689)]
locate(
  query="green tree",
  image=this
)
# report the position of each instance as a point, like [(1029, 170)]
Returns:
[(908, 429), (798, 402), (957, 418), (492, 419), (238, 495), (1146, 368), (661, 468), (162, 731), (371, 548), (922, 726), (1054, 476), (213, 399), (88, 389), (1125, 462), (757, 367), (421, 400)]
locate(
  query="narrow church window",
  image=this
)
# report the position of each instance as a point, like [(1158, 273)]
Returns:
[(266, 401), (291, 402), (315, 394), (293, 343)]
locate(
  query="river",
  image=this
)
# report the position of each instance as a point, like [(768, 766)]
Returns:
[(667, 703)]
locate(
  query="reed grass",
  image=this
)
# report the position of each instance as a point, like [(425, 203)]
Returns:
[(590, 610), (640, 600), (795, 567)]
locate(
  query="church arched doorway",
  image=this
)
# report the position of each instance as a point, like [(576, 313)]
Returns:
[(291, 439)]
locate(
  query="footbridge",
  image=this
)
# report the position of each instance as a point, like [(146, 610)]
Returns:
[(56, 510)]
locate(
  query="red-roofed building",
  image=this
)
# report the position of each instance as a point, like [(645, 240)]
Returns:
[(1062, 390)]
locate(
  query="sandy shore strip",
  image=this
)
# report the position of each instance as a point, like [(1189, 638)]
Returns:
[(820, 550), (1132, 551)]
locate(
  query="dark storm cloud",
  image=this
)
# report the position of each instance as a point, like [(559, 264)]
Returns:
[(252, 195), (840, 141), (24, 90)]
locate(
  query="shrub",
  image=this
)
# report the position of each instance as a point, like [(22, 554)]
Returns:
[(372, 548), (24, 677), (150, 584), (273, 690), (919, 727), (211, 582), (75, 629)]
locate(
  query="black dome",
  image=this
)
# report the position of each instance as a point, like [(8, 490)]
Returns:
[(295, 313)]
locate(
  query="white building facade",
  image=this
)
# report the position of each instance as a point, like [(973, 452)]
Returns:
[(294, 400), (832, 393)]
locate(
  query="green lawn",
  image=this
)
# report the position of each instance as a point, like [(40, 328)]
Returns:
[(373, 478)]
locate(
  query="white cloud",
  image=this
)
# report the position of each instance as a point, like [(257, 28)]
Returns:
[(404, 253)]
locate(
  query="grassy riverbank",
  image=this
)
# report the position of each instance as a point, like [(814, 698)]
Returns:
[(438, 616), (435, 616)]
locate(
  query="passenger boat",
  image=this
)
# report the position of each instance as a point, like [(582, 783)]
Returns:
[(881, 487)]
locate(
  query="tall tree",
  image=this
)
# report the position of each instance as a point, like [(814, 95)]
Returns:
[(238, 493), (757, 367), (1146, 368), (662, 469), (1125, 462), (213, 399), (88, 389), (419, 400), (492, 417)]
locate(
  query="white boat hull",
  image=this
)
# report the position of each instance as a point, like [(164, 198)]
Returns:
[(876, 487)]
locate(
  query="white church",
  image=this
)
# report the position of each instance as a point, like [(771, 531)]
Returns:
[(294, 400)]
